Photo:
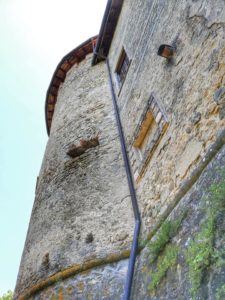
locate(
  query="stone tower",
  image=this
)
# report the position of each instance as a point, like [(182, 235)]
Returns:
[(163, 64), (81, 215)]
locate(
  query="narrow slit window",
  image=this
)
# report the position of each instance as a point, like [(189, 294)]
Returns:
[(122, 67)]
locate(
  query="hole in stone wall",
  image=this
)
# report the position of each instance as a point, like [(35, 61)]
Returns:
[(166, 51), (46, 261), (89, 238)]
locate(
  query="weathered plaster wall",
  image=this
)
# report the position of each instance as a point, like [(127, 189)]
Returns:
[(190, 89), (81, 211)]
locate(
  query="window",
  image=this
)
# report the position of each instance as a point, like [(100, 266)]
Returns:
[(122, 68), (150, 129), (146, 134)]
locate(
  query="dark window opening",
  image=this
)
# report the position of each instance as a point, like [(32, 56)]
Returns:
[(122, 68)]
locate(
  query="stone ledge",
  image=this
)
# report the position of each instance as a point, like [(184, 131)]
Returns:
[(73, 270)]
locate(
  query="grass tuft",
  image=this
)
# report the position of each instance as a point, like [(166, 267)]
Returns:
[(167, 231), (165, 261)]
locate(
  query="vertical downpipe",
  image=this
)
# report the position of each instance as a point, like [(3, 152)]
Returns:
[(134, 247)]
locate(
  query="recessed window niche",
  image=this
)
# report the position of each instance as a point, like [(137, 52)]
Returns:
[(150, 129), (122, 68)]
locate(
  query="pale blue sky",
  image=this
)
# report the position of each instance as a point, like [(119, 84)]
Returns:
[(35, 35)]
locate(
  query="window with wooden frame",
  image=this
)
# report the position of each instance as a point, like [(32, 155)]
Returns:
[(149, 131), (122, 67)]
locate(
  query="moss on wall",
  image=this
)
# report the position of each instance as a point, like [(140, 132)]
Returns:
[(165, 253), (201, 251), (220, 293), (167, 231), (164, 262)]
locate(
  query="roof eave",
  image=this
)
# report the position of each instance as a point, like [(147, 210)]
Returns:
[(108, 26), (66, 63)]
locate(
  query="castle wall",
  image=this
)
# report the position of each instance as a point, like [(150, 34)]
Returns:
[(188, 91), (173, 116), (101, 282), (181, 101), (81, 215), (191, 265)]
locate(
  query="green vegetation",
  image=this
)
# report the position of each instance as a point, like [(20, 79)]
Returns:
[(7, 296), (220, 293), (169, 253), (164, 262), (201, 252), (167, 231), (217, 191)]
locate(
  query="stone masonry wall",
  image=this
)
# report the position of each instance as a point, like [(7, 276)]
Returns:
[(81, 215), (103, 282), (183, 99), (186, 257), (189, 89), (173, 115)]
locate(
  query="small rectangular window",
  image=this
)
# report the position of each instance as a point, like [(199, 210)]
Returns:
[(122, 67)]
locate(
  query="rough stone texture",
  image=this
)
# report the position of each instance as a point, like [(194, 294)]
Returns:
[(219, 95), (82, 197), (176, 283), (189, 155), (190, 88), (104, 283), (82, 209)]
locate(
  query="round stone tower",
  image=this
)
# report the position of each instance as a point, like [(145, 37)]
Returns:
[(81, 224)]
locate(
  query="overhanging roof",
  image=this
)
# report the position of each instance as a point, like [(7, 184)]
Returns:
[(100, 43), (73, 57), (108, 26)]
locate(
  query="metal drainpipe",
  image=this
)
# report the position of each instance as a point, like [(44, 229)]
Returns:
[(134, 247)]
